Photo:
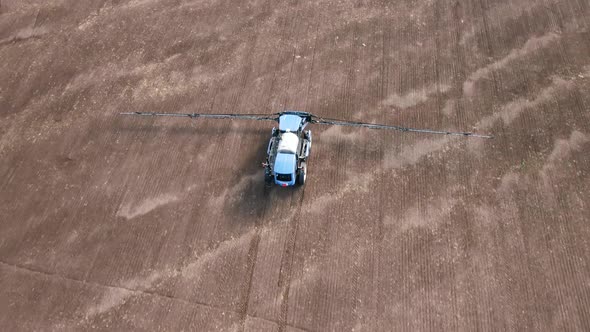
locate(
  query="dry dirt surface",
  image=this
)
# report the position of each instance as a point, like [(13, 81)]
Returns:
[(123, 223)]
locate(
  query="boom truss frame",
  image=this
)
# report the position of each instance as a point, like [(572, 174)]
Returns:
[(310, 118)]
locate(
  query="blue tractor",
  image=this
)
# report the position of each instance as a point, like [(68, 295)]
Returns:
[(290, 145), (288, 150)]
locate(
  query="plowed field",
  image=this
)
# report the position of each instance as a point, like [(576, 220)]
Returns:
[(129, 223)]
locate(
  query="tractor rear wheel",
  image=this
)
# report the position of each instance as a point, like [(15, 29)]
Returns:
[(267, 178), (302, 174)]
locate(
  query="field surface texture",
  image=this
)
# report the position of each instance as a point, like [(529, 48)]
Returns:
[(113, 222)]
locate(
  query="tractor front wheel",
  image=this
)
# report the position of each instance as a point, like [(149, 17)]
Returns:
[(302, 174)]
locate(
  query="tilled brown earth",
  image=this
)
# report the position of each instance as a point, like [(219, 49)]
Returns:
[(119, 223)]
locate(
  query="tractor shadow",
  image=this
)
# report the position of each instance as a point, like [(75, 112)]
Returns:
[(186, 129), (243, 192), (251, 198)]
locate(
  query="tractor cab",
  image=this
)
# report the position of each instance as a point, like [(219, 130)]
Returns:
[(291, 123)]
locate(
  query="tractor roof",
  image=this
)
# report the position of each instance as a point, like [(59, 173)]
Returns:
[(285, 163), (290, 122)]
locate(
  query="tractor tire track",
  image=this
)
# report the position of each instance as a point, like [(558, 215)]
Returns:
[(378, 231), (287, 263), (251, 265)]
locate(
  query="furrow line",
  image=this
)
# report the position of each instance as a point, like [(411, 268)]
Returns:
[(134, 291)]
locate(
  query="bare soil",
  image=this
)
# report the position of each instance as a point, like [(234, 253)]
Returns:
[(121, 223)]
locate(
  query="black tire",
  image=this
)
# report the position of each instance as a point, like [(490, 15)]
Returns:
[(267, 178), (302, 175)]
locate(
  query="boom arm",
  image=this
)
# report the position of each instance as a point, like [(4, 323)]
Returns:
[(260, 117), (309, 118), (335, 122)]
